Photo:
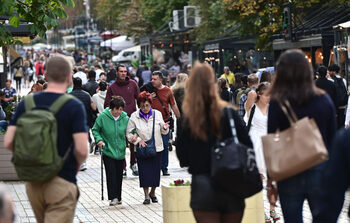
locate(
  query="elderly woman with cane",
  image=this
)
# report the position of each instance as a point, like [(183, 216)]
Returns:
[(109, 133)]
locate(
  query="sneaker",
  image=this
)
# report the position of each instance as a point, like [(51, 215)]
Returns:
[(124, 173), (147, 201), (113, 202), (135, 172), (97, 152), (83, 167), (267, 219), (166, 173), (274, 215), (119, 202)]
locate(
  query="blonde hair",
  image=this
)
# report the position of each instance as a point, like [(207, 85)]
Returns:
[(201, 102), (181, 80)]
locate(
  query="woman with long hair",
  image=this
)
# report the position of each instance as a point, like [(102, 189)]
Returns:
[(205, 122), (256, 119), (224, 92), (294, 83), (179, 89)]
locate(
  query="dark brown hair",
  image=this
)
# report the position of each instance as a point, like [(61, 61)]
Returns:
[(202, 104), (117, 102), (294, 79)]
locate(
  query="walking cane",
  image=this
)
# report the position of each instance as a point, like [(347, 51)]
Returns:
[(101, 171)]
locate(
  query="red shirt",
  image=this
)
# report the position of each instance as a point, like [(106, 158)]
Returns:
[(166, 95)]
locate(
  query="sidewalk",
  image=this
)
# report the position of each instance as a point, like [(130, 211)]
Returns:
[(92, 209)]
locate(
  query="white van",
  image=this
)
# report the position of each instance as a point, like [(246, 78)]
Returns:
[(128, 55)]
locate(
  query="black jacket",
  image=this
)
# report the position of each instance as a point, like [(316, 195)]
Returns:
[(90, 87), (329, 87), (85, 98), (196, 154)]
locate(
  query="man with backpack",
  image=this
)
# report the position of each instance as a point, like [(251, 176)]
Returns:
[(41, 135), (253, 81), (341, 94)]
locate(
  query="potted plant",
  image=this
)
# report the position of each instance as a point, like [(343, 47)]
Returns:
[(176, 202)]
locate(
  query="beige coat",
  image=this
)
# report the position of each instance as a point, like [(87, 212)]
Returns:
[(144, 129)]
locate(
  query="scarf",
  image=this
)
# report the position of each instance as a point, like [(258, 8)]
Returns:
[(145, 116)]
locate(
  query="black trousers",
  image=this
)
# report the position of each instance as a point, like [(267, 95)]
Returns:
[(340, 117), (114, 175)]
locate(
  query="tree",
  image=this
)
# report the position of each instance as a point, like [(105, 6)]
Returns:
[(43, 14)]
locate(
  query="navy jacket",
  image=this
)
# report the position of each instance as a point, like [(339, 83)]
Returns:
[(336, 179)]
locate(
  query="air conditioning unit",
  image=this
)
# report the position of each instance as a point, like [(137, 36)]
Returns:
[(192, 18), (178, 20)]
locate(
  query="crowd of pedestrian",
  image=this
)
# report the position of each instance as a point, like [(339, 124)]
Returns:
[(116, 107)]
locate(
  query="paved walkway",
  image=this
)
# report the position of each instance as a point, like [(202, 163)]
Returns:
[(92, 209)]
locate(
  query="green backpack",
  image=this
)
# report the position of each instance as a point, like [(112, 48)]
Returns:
[(35, 154)]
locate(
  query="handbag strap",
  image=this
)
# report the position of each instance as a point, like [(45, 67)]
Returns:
[(161, 102), (154, 121), (232, 125), (251, 115), (292, 118)]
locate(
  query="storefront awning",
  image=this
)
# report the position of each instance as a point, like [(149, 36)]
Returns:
[(344, 25)]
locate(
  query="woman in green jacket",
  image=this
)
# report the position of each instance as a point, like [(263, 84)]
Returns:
[(109, 133)]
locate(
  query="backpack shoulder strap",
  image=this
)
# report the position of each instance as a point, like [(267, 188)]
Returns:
[(60, 101), (29, 102)]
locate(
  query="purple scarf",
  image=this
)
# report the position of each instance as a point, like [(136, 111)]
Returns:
[(145, 116)]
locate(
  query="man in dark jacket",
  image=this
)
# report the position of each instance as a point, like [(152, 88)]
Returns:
[(91, 86), (89, 106), (325, 84), (125, 87)]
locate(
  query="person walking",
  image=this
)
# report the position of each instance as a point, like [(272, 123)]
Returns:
[(325, 84), (294, 82), (56, 200), (229, 76), (256, 119), (125, 87), (109, 133), (99, 97), (10, 93), (89, 106), (202, 126), (163, 98), (91, 86), (142, 122), (224, 91)]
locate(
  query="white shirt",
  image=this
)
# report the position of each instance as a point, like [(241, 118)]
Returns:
[(82, 76)]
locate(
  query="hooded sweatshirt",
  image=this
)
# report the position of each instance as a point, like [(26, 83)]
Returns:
[(99, 100), (128, 89), (112, 133)]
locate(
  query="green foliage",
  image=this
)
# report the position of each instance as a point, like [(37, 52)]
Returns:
[(43, 14)]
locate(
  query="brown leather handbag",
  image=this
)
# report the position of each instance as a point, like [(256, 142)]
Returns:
[(294, 150)]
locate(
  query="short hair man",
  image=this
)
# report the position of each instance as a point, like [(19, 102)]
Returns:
[(128, 89), (10, 93), (162, 98), (229, 76), (7, 214), (55, 200), (253, 81), (91, 86), (325, 84)]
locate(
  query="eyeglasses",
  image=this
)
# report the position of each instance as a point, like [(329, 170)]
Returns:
[(145, 106)]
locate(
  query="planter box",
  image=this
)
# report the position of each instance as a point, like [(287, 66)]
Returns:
[(7, 170), (254, 209), (176, 204)]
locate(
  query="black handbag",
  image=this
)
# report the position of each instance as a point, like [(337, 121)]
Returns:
[(150, 150), (233, 165)]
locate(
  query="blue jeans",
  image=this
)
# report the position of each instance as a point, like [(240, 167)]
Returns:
[(165, 152), (294, 190)]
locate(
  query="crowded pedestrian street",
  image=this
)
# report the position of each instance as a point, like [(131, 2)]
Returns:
[(91, 209)]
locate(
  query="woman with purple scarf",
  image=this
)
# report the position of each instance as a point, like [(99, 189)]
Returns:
[(141, 123)]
